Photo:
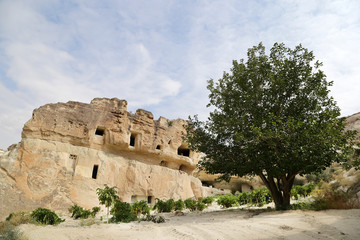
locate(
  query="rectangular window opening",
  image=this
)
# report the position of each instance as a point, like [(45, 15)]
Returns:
[(95, 171), (184, 152), (132, 140), (99, 131), (149, 199)]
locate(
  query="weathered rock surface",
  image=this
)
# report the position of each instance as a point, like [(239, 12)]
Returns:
[(70, 149), (236, 184), (353, 123)]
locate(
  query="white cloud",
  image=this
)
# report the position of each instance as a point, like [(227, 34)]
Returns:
[(158, 55)]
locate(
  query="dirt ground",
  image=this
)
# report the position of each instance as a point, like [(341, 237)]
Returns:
[(225, 224)]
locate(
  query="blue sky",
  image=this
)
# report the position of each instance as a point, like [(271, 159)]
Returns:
[(158, 55)]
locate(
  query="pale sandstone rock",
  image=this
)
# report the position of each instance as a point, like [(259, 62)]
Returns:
[(236, 184), (68, 150), (353, 123)]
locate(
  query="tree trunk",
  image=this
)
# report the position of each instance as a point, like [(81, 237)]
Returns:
[(280, 192)]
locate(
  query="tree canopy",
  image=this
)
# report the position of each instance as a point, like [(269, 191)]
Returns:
[(273, 117)]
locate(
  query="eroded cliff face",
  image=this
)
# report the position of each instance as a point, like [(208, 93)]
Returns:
[(105, 125), (353, 123), (70, 149)]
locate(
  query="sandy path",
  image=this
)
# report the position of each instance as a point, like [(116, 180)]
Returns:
[(227, 225)]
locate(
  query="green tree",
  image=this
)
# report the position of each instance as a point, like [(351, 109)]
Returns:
[(273, 117), (107, 196)]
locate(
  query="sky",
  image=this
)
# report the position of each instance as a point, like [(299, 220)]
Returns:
[(159, 54)]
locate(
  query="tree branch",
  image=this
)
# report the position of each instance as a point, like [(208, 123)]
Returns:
[(263, 178)]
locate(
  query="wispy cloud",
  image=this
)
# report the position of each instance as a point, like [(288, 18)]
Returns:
[(158, 55)]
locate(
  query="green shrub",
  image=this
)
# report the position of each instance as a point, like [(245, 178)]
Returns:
[(227, 201), (260, 197), (193, 205), (122, 212), (46, 216), (94, 211), (244, 198), (190, 204), (79, 212), (294, 193), (154, 219), (302, 191), (309, 188), (207, 200), (200, 206), (164, 206), (179, 205), (8, 218), (140, 207)]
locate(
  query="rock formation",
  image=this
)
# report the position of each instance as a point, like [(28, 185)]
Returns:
[(68, 150), (353, 123)]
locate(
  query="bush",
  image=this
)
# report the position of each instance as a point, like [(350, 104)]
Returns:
[(46, 216), (18, 218), (294, 193), (179, 205), (330, 199), (193, 205), (9, 232), (309, 188), (244, 198), (79, 212), (140, 208), (260, 197), (200, 206), (154, 219), (122, 212), (94, 211), (336, 199), (207, 200), (227, 201), (302, 191), (190, 204), (162, 206)]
